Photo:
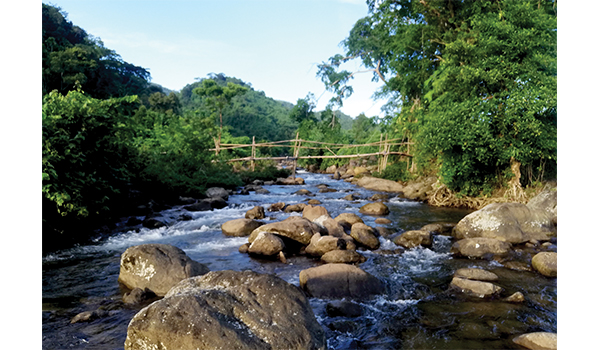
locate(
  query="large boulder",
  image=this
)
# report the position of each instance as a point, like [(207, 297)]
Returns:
[(545, 263), (266, 244), (311, 212), (380, 185), (417, 190), (294, 227), (414, 238), (258, 212), (236, 310), (240, 227), (337, 281), (157, 267), (545, 201), (331, 169), (365, 235), (480, 247), (509, 222), (537, 341), (376, 208)]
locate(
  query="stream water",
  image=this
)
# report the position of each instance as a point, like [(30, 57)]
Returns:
[(416, 312)]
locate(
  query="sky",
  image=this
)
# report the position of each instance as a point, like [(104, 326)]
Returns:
[(275, 45)]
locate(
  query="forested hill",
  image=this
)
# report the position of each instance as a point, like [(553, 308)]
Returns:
[(252, 114)]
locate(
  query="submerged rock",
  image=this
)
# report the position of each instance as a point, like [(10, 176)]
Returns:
[(157, 267), (475, 288), (276, 206), (236, 310), (339, 281), (476, 274), (88, 316), (138, 295), (343, 308)]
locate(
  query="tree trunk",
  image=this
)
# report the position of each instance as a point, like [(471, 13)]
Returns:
[(515, 190)]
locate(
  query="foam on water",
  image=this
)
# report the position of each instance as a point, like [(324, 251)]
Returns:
[(218, 245), (421, 260)]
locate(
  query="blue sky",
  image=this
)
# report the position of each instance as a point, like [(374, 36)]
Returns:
[(273, 44)]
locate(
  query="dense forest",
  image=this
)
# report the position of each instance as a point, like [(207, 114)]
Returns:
[(472, 84)]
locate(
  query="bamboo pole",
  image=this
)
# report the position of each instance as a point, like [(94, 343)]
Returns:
[(379, 154), (296, 149), (253, 154)]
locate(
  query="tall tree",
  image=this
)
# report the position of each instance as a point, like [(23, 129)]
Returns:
[(219, 96), (475, 81)]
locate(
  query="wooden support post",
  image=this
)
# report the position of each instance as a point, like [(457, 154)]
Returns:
[(296, 151), (386, 149), (253, 154), (217, 146), (379, 161)]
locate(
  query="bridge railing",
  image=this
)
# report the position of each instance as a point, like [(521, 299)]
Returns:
[(297, 144)]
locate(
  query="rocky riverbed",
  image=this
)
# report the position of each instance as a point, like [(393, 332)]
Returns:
[(311, 263)]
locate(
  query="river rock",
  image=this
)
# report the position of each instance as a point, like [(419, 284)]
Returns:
[(215, 192), (516, 297), (443, 228), (304, 192), (379, 197), (537, 341), (207, 204), (320, 245), (376, 208), (258, 212), (414, 238), (266, 244), (88, 316), (138, 295), (383, 221), (361, 170), (476, 274), (384, 231), (417, 190), (290, 181), (351, 197), (348, 219), (545, 263), (236, 310), (153, 222), (294, 227), (311, 212), (343, 308), (343, 257), (276, 206), (295, 208), (314, 202), (331, 169), (333, 227), (480, 247), (240, 227), (509, 222), (380, 185), (157, 267), (545, 201), (365, 235), (337, 281), (475, 288)]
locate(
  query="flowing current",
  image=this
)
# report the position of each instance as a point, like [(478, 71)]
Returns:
[(416, 312)]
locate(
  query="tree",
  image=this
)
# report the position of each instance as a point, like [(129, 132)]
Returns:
[(303, 111), (475, 82), (219, 97)]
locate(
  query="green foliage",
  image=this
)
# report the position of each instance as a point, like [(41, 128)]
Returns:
[(70, 58), (267, 172), (84, 151), (395, 172), (251, 114), (475, 82)]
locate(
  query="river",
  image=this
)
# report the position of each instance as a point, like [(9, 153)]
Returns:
[(416, 312)]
